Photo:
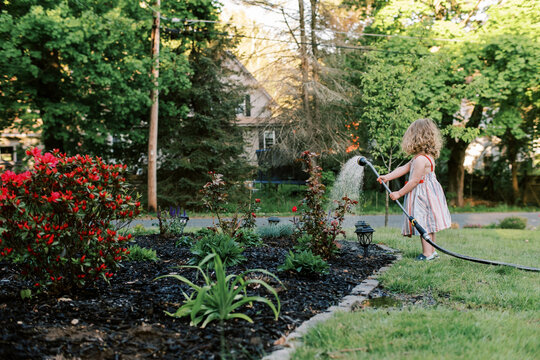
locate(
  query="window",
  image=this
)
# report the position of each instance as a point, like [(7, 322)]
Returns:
[(244, 108), (269, 139), (247, 102), (7, 153)]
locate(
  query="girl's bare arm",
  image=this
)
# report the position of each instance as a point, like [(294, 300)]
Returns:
[(421, 166), (397, 173)]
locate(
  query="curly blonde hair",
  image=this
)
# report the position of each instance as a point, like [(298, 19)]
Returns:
[(422, 136)]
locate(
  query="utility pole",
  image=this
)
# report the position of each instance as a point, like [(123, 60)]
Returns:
[(152, 139)]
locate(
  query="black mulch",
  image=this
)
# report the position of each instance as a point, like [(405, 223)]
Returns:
[(126, 319)]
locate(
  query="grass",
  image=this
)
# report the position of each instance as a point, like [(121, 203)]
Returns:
[(483, 312)]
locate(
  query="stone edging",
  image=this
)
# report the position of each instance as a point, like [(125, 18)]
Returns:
[(355, 298)]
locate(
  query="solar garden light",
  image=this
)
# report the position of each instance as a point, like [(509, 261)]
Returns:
[(364, 232), (273, 220)]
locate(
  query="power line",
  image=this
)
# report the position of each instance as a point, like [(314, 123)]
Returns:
[(349, 47), (192, 21)]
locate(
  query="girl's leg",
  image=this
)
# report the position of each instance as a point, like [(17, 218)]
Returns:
[(427, 249)]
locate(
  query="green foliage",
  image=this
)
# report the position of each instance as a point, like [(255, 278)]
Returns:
[(172, 223), (211, 140), (80, 67), (314, 220), (184, 241), (215, 198), (513, 222), (275, 231), (56, 220), (305, 262), (248, 237), (137, 253), (221, 299), (303, 242), (221, 244)]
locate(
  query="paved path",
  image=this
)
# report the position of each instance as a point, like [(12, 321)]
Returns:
[(533, 220)]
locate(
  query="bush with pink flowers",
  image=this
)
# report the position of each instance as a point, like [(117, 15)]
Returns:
[(55, 220)]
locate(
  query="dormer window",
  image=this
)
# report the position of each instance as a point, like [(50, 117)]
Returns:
[(244, 108)]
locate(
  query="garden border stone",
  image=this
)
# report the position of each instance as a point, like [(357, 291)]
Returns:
[(358, 294)]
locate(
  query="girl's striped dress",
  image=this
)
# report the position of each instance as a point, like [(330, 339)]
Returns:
[(427, 204)]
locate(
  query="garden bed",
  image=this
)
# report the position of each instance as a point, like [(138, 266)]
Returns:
[(127, 320)]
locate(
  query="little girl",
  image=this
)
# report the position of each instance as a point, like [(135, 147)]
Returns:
[(425, 199)]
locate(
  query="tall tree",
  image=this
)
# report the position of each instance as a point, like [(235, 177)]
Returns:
[(81, 68), (198, 127)]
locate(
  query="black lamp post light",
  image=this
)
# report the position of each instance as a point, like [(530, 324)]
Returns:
[(364, 232)]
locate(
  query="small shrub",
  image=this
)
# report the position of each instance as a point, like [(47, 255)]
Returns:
[(139, 230), (172, 223), (221, 244), (248, 237), (276, 231), (56, 219), (513, 222), (184, 241), (314, 220), (215, 198), (221, 299), (303, 242), (305, 262), (472, 226), (137, 253)]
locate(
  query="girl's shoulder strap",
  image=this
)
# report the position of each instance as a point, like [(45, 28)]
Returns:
[(427, 157)]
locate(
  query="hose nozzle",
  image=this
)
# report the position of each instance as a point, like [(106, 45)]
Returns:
[(362, 161)]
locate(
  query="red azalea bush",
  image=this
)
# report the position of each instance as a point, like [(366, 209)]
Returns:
[(55, 220), (323, 229)]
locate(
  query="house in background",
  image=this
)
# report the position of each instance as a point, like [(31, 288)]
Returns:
[(254, 114), (13, 143)]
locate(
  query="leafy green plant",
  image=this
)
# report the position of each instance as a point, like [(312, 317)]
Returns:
[(184, 240), (248, 237), (314, 220), (137, 253), (229, 251), (305, 262), (220, 299), (303, 242), (215, 198), (172, 223), (276, 231), (513, 222)]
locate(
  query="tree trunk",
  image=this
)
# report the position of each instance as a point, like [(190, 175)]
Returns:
[(152, 139), (512, 149), (305, 64), (315, 52), (456, 170)]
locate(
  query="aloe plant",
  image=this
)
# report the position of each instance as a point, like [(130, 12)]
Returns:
[(222, 298)]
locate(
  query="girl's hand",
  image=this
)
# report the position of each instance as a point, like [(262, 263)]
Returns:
[(383, 178), (395, 195)]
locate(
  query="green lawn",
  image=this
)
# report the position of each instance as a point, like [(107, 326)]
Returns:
[(483, 312)]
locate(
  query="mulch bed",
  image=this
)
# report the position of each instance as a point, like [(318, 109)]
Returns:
[(126, 319)]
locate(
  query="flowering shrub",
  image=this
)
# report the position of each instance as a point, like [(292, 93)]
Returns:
[(55, 219), (314, 220), (215, 199)]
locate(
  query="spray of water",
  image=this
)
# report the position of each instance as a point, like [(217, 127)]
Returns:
[(349, 181)]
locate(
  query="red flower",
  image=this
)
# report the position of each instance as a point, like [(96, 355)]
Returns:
[(257, 200), (294, 209), (253, 214)]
